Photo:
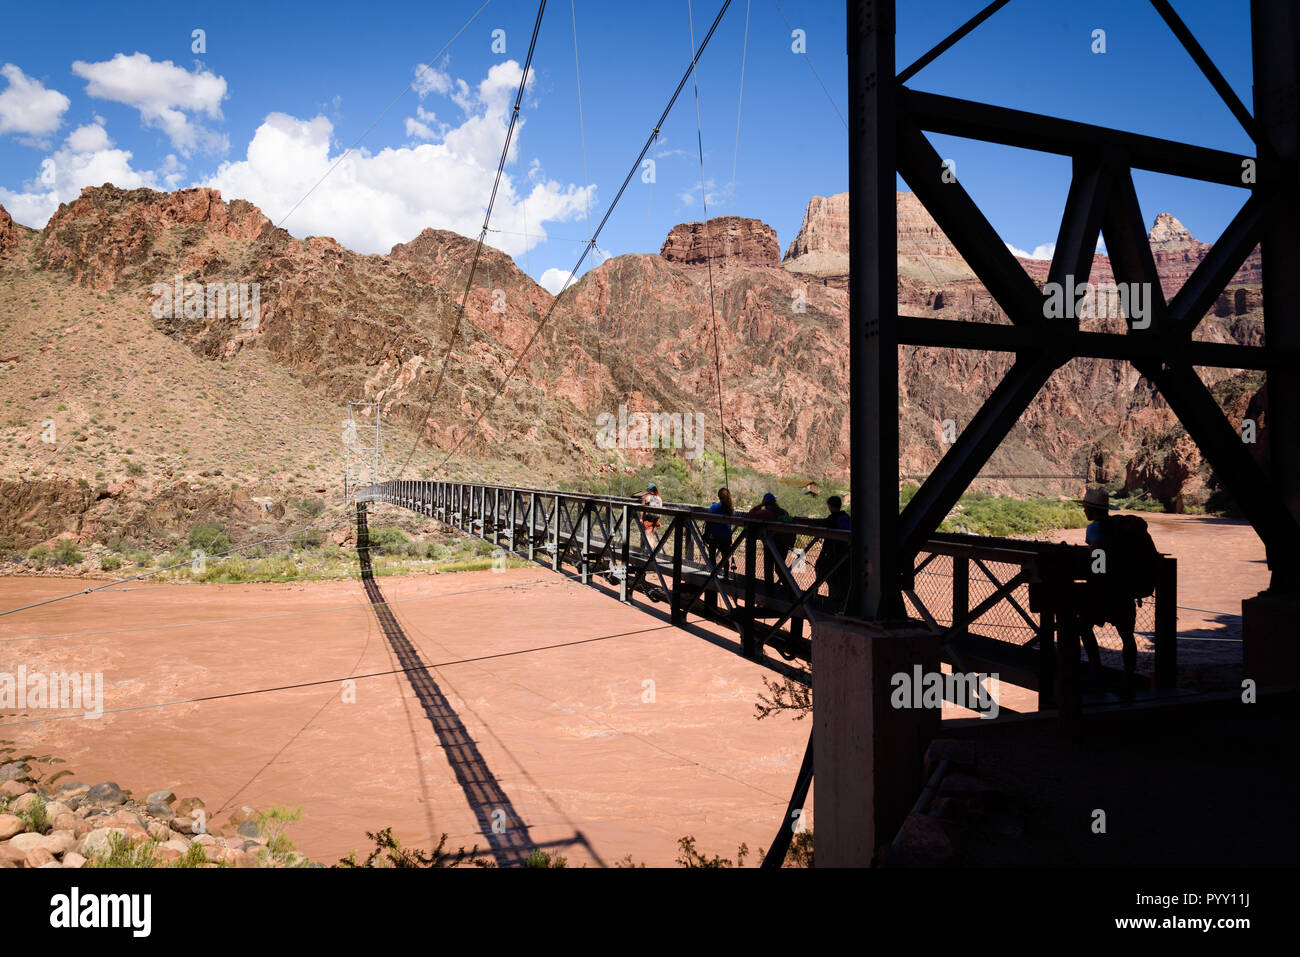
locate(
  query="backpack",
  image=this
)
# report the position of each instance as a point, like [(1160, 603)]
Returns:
[(1132, 558)]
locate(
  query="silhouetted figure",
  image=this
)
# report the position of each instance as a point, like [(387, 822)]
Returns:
[(718, 534), (770, 511), (837, 581), (1124, 572)]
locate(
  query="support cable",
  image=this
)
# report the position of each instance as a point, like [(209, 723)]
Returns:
[(478, 247), (592, 242), (708, 245)]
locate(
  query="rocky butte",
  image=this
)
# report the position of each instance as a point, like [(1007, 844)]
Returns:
[(723, 239)]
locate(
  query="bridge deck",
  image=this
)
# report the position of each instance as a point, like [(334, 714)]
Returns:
[(998, 605)]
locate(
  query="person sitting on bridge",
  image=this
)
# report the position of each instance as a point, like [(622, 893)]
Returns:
[(650, 520), (770, 511), (1125, 564), (718, 534), (832, 551)]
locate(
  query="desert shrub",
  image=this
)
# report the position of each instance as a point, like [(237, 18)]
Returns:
[(110, 563), (389, 852), (305, 541), (34, 816), (67, 553), (311, 507), (272, 823), (122, 854), (210, 537), (689, 856), (800, 852), (387, 540), (194, 856), (539, 858), (278, 567)]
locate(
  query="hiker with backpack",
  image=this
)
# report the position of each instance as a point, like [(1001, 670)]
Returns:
[(1124, 568)]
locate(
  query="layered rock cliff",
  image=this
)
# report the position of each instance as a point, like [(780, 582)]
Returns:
[(638, 330), (725, 239)]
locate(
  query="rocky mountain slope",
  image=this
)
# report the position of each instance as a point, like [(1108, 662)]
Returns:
[(254, 408)]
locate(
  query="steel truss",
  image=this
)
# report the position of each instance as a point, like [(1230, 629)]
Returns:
[(1002, 605), (887, 136)]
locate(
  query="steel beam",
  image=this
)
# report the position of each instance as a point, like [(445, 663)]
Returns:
[(984, 336), (1129, 250), (1275, 36), (965, 226), (1191, 303), (873, 313), (1051, 134), (1221, 444), (955, 471)]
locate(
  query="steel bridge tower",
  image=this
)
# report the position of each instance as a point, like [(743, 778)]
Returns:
[(867, 754)]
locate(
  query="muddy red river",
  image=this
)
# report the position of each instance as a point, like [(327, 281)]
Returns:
[(600, 729)]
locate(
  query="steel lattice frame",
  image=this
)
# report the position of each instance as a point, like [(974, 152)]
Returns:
[(888, 123)]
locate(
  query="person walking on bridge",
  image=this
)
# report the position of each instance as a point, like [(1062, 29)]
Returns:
[(650, 520)]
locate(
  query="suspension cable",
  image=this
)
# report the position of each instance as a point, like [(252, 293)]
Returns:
[(478, 246), (592, 242)]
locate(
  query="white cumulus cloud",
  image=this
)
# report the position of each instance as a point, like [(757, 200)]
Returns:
[(373, 201), (553, 280), (165, 94), (1044, 251), (87, 158), (27, 106)]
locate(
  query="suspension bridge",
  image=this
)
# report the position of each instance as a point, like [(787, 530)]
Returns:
[(912, 596)]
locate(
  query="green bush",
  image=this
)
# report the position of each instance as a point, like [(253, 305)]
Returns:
[(210, 537), (311, 507), (66, 552), (110, 563), (34, 817)]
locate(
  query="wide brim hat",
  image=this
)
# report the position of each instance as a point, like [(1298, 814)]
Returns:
[(1095, 498)]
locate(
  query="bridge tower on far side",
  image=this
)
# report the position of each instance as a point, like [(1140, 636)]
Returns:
[(363, 447)]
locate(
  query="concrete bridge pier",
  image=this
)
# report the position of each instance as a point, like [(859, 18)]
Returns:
[(867, 753)]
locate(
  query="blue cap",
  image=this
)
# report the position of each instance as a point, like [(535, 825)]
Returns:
[(652, 487), (769, 497)]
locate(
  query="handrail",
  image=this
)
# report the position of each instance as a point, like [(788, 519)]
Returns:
[(771, 575)]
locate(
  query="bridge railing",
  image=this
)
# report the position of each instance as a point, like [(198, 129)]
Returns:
[(998, 604)]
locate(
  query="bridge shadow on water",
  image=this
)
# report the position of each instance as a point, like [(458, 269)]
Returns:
[(506, 833)]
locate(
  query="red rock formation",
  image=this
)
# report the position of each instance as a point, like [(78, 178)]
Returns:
[(728, 239), (108, 234), (638, 329), (8, 232)]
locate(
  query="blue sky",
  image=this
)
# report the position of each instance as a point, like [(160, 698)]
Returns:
[(282, 89)]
